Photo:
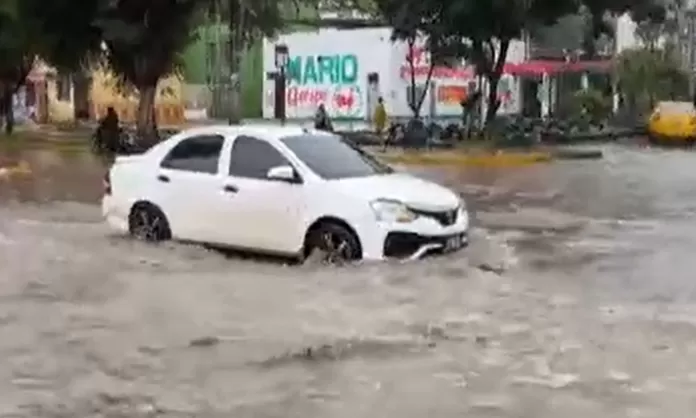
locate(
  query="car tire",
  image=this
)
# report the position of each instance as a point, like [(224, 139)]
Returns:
[(335, 243), (147, 222)]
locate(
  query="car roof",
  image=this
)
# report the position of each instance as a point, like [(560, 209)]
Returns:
[(262, 131), (675, 107)]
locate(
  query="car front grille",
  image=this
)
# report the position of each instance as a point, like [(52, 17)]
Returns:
[(444, 218), (404, 244)]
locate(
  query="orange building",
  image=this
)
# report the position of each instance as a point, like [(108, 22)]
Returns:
[(64, 98)]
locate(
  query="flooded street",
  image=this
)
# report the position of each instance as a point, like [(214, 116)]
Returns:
[(575, 298)]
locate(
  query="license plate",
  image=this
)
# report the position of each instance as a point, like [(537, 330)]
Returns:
[(453, 243)]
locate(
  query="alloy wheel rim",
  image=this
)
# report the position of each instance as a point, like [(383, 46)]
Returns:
[(147, 225), (335, 248)]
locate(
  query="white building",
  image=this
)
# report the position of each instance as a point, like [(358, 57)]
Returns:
[(625, 34), (347, 70)]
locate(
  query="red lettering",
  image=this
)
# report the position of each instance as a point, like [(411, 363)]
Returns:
[(417, 55), (463, 73), (305, 96), (322, 96), (291, 96)]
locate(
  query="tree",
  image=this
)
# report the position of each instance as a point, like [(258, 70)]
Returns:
[(66, 32), (646, 75), (143, 40), (418, 22), (482, 31), (60, 31), (597, 11), (17, 53)]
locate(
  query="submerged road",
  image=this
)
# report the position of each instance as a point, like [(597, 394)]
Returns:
[(575, 299)]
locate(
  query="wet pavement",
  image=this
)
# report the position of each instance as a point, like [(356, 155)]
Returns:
[(575, 299)]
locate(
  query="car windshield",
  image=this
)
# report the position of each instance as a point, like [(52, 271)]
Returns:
[(332, 157)]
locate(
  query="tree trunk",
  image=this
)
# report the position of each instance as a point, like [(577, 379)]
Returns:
[(412, 69), (9, 115), (493, 81), (7, 109), (426, 88), (145, 121)]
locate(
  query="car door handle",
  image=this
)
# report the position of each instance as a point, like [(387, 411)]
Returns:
[(230, 188), (163, 178)]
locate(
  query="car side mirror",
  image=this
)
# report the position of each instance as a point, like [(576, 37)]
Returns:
[(282, 173)]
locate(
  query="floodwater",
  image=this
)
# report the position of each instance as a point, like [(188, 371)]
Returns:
[(575, 299)]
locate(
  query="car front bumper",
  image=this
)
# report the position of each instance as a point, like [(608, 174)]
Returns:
[(413, 240)]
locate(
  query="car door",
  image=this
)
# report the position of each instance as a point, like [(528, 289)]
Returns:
[(189, 177), (259, 213)]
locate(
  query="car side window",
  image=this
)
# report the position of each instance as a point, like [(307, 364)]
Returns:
[(252, 158), (199, 154)]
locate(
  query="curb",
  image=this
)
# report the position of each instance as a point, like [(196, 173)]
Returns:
[(576, 154), (500, 159)]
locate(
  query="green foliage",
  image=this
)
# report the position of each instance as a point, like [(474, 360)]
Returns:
[(65, 33), (414, 20), (591, 105), (483, 32), (653, 12), (17, 45), (480, 32), (646, 76), (144, 38)]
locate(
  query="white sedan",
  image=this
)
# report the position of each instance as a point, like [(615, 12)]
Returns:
[(280, 190)]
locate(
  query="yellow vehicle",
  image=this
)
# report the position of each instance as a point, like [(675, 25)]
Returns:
[(673, 123)]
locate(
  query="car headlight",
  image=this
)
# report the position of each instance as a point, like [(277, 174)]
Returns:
[(462, 205), (387, 210)]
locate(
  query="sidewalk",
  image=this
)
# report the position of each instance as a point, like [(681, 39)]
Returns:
[(463, 157)]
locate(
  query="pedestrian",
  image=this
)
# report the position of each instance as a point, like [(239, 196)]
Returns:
[(469, 105), (380, 117), (322, 121), (109, 130)]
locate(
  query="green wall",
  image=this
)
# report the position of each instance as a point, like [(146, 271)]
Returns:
[(194, 61), (252, 73), (195, 68)]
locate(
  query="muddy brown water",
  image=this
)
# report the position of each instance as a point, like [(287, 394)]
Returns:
[(592, 315)]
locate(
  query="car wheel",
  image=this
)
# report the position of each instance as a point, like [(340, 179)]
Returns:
[(96, 143), (147, 223), (335, 243)]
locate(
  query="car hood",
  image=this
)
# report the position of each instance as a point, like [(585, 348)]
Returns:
[(414, 192)]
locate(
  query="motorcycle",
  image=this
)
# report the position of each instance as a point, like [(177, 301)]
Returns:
[(125, 144)]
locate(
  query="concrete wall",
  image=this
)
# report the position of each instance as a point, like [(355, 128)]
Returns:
[(625, 34)]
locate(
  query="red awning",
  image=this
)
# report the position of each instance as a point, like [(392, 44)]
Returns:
[(541, 67)]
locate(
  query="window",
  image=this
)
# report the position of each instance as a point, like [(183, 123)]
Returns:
[(252, 158), (63, 86), (331, 157), (418, 92), (199, 154), (30, 94)]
